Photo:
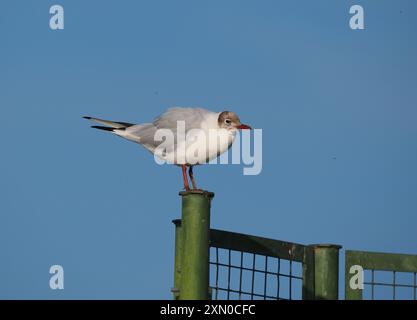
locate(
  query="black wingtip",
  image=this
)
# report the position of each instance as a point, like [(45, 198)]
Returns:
[(86, 117), (103, 128)]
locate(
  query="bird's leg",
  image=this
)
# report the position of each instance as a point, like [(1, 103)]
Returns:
[(190, 172), (184, 176)]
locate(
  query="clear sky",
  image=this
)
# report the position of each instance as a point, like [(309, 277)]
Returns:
[(337, 108)]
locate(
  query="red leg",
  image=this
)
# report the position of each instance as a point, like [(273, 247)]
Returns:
[(190, 172), (184, 176)]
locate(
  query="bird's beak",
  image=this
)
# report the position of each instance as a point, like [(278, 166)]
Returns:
[(243, 126)]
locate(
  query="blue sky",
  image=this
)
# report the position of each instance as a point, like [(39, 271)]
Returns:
[(337, 108)]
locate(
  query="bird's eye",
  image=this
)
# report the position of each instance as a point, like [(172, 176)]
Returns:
[(227, 121)]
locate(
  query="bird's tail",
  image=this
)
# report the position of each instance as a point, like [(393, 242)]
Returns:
[(110, 125)]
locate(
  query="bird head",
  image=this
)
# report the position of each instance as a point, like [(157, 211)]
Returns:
[(230, 121)]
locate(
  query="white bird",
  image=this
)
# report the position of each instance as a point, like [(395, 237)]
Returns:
[(200, 122)]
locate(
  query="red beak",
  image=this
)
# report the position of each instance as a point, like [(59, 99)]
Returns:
[(243, 126)]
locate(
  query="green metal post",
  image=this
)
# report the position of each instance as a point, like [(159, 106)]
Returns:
[(326, 271), (177, 261), (195, 237)]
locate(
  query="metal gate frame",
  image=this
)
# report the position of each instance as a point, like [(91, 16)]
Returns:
[(193, 239), (320, 263)]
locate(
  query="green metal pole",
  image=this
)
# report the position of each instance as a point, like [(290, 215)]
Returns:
[(178, 257), (326, 271), (195, 234)]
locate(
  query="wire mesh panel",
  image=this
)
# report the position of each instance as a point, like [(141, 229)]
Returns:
[(389, 285), (386, 276), (248, 267)]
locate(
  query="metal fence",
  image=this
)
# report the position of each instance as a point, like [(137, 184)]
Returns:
[(384, 275), (249, 267), (216, 264)]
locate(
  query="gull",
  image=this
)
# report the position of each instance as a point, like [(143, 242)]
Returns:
[(201, 122)]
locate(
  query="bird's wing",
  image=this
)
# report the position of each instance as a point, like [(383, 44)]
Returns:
[(145, 133), (192, 117)]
